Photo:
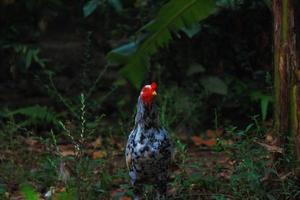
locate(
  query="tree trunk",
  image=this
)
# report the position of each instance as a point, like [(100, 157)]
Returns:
[(286, 77)]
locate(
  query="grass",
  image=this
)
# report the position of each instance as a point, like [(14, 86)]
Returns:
[(242, 169)]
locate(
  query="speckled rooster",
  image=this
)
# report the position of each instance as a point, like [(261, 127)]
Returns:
[(148, 150)]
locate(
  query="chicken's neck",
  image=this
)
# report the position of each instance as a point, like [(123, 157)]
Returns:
[(147, 116)]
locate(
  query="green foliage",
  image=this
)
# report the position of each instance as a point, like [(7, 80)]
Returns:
[(265, 100), (37, 115), (66, 195), (177, 107), (29, 55), (3, 189), (82, 165), (195, 69), (91, 5), (26, 55), (172, 17), (214, 85), (29, 192), (251, 166), (116, 4), (192, 31), (192, 94), (268, 3)]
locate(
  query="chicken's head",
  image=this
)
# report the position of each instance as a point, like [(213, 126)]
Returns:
[(148, 93)]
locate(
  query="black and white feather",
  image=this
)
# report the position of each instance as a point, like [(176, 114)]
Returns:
[(148, 151)]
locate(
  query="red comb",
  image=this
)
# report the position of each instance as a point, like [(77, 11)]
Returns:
[(153, 86)]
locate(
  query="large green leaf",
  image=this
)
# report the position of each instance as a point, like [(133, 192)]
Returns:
[(121, 54), (191, 31), (214, 84), (172, 17), (90, 7)]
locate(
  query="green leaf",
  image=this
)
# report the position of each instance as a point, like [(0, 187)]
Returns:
[(134, 72), (195, 69), (264, 107), (116, 4), (37, 114), (214, 85), (29, 192), (264, 99), (191, 31), (172, 17), (28, 59), (2, 189), (268, 3), (121, 54), (90, 7)]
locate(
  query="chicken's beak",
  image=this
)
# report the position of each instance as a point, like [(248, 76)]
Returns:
[(154, 93)]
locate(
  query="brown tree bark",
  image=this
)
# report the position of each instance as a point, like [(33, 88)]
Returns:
[(286, 77)]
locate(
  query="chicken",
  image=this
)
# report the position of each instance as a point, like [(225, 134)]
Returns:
[(148, 149)]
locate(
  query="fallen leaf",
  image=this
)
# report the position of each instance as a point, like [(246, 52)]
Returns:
[(214, 133), (119, 193), (118, 143), (125, 198), (224, 160), (210, 133), (269, 139), (99, 154), (31, 142), (67, 153), (66, 150), (210, 142), (199, 141), (283, 177), (232, 162), (219, 132), (97, 143), (34, 145), (271, 148)]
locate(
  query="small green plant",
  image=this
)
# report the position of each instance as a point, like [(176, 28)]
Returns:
[(36, 115), (29, 193), (25, 57), (77, 172), (29, 56)]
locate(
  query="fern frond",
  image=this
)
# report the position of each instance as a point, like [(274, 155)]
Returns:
[(37, 114), (172, 17)]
